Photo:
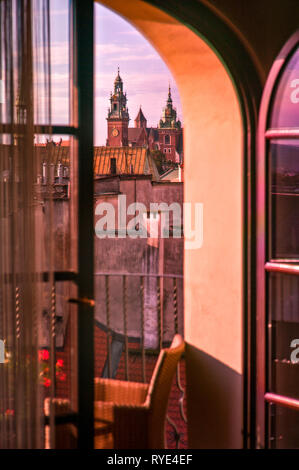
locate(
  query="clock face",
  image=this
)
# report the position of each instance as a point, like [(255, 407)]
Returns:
[(115, 132)]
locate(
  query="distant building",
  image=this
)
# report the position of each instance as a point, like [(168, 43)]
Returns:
[(130, 172), (167, 137), (174, 175), (152, 256), (107, 161), (124, 160)]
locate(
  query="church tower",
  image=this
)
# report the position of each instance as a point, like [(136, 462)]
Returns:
[(168, 119), (170, 132), (118, 116)]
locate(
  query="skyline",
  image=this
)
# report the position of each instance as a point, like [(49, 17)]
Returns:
[(145, 75)]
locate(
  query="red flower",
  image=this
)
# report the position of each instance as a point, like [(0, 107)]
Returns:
[(9, 412), (43, 355), (59, 363), (47, 382), (61, 376), (45, 370)]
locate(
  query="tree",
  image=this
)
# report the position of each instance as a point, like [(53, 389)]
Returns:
[(161, 162)]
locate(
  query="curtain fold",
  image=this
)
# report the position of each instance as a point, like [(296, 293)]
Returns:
[(25, 81)]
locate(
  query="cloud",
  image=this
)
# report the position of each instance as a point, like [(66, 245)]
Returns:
[(59, 12), (132, 32), (108, 49), (59, 54), (124, 50), (144, 74), (127, 58), (146, 89)]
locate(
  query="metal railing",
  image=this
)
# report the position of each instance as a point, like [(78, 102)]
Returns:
[(140, 313), (139, 298)]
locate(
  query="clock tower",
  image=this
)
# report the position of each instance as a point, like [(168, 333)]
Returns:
[(118, 116)]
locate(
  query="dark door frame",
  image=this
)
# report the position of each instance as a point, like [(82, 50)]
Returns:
[(264, 263)]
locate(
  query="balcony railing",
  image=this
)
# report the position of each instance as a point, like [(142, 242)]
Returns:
[(140, 313)]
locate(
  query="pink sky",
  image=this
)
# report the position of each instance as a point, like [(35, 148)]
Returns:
[(117, 43)]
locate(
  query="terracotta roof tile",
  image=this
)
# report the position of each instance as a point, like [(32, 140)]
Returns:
[(135, 160)]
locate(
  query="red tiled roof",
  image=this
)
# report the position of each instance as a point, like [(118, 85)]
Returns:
[(134, 134), (135, 160), (128, 160)]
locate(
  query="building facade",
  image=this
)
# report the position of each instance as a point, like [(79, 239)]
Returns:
[(167, 137)]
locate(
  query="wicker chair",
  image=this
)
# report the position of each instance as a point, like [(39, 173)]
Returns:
[(130, 415)]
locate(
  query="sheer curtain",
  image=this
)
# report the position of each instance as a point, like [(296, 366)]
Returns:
[(25, 98)]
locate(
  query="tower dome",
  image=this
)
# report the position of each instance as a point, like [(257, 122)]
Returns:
[(169, 115), (118, 115)]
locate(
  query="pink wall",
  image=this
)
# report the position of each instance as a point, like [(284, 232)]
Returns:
[(213, 273)]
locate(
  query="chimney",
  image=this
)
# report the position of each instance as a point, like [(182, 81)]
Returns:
[(52, 173), (44, 173), (65, 172), (113, 166), (59, 172)]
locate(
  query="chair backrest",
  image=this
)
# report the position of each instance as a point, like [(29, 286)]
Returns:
[(159, 389)]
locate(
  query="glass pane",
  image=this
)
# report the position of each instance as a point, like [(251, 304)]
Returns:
[(56, 177), (55, 214), (65, 364), (284, 329), (285, 111), (284, 428), (284, 163), (53, 86), (60, 61), (21, 295)]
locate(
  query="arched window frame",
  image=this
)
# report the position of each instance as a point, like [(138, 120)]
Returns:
[(265, 263), (239, 62)]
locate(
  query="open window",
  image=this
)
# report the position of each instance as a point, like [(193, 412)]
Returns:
[(278, 254)]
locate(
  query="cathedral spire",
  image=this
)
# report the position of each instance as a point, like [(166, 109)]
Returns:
[(169, 100), (140, 120), (118, 78), (169, 116), (118, 83)]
